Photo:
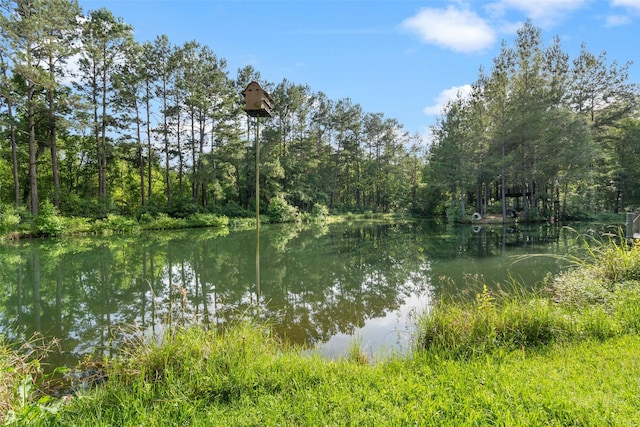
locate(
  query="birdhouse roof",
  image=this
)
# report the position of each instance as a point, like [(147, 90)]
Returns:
[(255, 86)]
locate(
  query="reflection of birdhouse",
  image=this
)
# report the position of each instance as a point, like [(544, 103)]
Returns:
[(257, 102)]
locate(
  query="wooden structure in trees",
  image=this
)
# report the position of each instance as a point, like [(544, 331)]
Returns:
[(257, 102), (633, 225)]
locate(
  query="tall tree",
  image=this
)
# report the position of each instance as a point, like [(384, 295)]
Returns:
[(27, 25), (496, 93), (602, 94), (7, 92), (347, 122), (103, 38), (130, 92), (163, 61), (60, 44), (448, 157)]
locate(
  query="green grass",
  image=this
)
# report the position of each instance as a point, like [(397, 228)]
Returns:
[(245, 377)]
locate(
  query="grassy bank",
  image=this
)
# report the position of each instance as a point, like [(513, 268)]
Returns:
[(245, 378), (565, 355)]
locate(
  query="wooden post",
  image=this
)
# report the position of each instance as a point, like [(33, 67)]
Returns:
[(632, 225), (257, 210), (257, 103)]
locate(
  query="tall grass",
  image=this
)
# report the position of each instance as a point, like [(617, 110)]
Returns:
[(22, 380), (493, 322), (598, 298), (246, 377)]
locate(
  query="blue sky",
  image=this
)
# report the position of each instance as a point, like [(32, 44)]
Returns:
[(402, 58)]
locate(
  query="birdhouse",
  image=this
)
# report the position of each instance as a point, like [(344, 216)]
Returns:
[(257, 102)]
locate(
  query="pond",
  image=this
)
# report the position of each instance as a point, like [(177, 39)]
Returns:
[(319, 286)]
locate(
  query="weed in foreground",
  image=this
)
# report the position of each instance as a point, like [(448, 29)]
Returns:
[(22, 380)]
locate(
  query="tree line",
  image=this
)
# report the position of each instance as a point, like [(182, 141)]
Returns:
[(540, 134), (94, 122)]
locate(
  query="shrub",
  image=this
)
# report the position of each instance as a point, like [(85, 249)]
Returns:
[(183, 207), (453, 211), (9, 219), (533, 215), (281, 211), (207, 220), (163, 222), (607, 267), (146, 218), (320, 211), (233, 210), (115, 224), (47, 223), (75, 225)]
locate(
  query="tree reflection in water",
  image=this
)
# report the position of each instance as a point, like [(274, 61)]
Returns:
[(319, 284)]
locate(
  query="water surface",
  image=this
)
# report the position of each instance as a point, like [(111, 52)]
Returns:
[(320, 286)]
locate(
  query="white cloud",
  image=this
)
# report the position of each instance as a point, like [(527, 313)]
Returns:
[(444, 97), (617, 20), (542, 12), (631, 4), (460, 30)]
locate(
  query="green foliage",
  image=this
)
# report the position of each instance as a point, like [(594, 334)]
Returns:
[(608, 267), (502, 135), (336, 155), (182, 207), (47, 223), (162, 221), (232, 210), (626, 307), (430, 201), (489, 324), (534, 215), (320, 211), (207, 220), (9, 219), (453, 210), (75, 225), (246, 376), (22, 378), (115, 224), (279, 210), (75, 205), (597, 300)]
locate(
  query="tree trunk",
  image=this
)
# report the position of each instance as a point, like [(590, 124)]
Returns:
[(201, 181), (149, 148), (194, 187), (463, 212), (53, 135), (96, 134), (503, 195), (180, 157), (14, 153), (33, 180), (102, 160), (139, 154)]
